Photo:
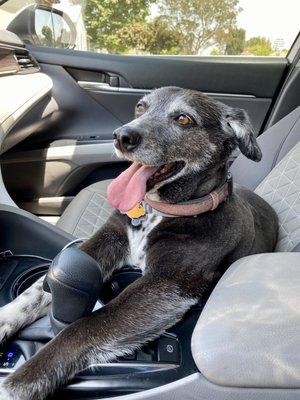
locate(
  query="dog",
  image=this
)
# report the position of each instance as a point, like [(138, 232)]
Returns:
[(179, 144)]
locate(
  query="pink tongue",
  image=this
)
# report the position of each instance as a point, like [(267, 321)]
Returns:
[(129, 188)]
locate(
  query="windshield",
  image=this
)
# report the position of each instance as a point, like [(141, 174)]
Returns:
[(174, 27)]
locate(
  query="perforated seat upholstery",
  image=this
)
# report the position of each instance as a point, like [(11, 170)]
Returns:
[(281, 189), (87, 212), (276, 178)]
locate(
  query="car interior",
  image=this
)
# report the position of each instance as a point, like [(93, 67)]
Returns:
[(58, 109)]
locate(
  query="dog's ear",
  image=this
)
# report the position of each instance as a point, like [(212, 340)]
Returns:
[(238, 122)]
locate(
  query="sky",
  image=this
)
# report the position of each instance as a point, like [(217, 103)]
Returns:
[(275, 19)]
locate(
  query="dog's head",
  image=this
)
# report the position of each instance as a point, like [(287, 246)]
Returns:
[(183, 132)]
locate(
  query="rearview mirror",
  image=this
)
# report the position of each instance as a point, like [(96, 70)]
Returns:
[(44, 26)]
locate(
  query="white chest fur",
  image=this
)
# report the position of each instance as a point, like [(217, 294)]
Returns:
[(138, 238)]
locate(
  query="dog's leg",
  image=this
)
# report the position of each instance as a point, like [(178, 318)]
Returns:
[(108, 246), (139, 314), (25, 309)]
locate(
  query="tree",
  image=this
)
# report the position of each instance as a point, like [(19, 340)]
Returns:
[(163, 39), (258, 46), (106, 18), (235, 42), (47, 40), (152, 37), (200, 23), (216, 52)]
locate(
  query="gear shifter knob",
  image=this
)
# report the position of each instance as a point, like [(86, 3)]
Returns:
[(74, 280)]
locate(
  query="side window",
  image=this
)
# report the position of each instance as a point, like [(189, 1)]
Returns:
[(167, 27)]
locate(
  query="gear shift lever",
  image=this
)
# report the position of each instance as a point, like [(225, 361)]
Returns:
[(74, 280)]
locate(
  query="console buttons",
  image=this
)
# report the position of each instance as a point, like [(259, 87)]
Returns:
[(168, 350), (11, 358)]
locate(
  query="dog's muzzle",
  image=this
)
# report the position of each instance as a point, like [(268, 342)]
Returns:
[(126, 139)]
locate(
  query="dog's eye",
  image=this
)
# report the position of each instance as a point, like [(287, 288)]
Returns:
[(183, 119), (140, 108)]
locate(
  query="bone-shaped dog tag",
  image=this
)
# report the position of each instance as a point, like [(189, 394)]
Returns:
[(137, 214)]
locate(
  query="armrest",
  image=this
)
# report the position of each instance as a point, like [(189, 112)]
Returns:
[(248, 334)]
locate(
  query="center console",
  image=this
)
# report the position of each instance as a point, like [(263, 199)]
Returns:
[(27, 247)]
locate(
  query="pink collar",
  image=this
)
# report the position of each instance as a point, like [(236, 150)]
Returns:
[(193, 207)]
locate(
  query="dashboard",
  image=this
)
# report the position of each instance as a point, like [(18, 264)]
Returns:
[(22, 85)]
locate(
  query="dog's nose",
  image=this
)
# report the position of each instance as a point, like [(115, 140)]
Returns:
[(126, 138)]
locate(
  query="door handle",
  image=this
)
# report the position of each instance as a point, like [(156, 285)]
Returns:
[(106, 87)]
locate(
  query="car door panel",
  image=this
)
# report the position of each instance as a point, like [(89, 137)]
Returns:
[(256, 76), (122, 104)]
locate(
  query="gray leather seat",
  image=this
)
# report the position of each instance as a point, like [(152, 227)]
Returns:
[(276, 178)]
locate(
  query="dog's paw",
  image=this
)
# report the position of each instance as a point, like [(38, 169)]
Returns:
[(4, 394), (5, 330), (4, 334), (9, 321)]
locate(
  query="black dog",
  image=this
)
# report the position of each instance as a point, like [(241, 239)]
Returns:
[(179, 142)]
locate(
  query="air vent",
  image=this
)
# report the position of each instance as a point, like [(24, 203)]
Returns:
[(26, 62)]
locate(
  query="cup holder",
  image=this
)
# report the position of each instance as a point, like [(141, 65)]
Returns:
[(118, 282), (27, 278)]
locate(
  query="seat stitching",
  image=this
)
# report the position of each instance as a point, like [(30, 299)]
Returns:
[(85, 221), (79, 217), (281, 189)]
